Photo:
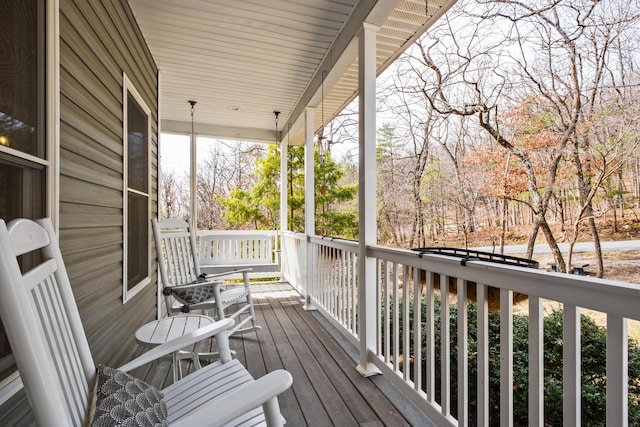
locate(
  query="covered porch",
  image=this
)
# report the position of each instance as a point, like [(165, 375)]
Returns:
[(326, 389), (369, 294), (294, 59), (462, 301)]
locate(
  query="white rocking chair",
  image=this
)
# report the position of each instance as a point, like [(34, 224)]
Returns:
[(43, 325), (186, 288)]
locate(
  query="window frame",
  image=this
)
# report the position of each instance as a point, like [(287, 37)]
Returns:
[(50, 161), (128, 89)]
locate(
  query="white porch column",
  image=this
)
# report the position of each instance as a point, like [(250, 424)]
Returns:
[(192, 181), (367, 197), (284, 204), (284, 184), (193, 172), (309, 203)]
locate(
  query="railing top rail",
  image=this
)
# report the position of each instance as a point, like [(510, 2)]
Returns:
[(474, 255), (609, 296), (334, 242), (238, 233)]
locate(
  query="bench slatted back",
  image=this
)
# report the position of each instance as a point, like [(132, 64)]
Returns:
[(43, 325), (234, 250), (175, 250)]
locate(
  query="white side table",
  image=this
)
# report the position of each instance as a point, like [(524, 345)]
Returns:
[(160, 331)]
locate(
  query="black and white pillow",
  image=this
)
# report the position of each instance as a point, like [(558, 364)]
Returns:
[(123, 400), (191, 296)]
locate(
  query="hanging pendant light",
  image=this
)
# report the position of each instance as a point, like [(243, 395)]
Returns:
[(277, 114), (193, 170), (323, 147), (192, 103)]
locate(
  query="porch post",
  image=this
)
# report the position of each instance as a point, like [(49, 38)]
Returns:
[(192, 181), (367, 197), (309, 203), (284, 201), (284, 204)]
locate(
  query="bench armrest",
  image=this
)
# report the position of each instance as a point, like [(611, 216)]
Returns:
[(218, 329), (242, 400), (210, 276)]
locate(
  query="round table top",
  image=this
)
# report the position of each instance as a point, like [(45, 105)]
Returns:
[(163, 330)]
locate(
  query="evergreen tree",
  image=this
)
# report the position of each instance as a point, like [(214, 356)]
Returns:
[(259, 207)]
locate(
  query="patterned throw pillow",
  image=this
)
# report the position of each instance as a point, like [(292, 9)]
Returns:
[(122, 400), (191, 296)]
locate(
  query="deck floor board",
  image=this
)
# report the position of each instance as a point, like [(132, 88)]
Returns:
[(327, 390)]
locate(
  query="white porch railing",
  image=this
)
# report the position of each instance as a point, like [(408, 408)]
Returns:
[(221, 251), (334, 285), (294, 268), (405, 348)]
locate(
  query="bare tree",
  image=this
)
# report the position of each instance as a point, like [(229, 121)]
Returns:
[(228, 166), (551, 59), (172, 201)]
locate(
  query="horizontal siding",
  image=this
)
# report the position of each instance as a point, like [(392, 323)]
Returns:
[(78, 240), (89, 147), (103, 109), (98, 42), (85, 169), (91, 193), (88, 293), (80, 263), (77, 217), (72, 116)]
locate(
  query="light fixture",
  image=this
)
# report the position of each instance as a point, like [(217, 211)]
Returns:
[(276, 113), (323, 146), (4, 140), (193, 168), (192, 103)]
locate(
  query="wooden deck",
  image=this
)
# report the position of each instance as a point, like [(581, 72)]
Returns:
[(327, 390)]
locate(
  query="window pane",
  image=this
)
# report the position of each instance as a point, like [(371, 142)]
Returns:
[(22, 75), (137, 239), (22, 190), (22, 194), (137, 146)]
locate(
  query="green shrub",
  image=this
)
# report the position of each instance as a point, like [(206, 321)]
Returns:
[(593, 344)]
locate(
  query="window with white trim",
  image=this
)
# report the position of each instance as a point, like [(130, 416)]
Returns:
[(137, 203), (24, 154)]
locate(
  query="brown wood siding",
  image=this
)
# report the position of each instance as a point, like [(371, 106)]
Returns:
[(98, 42)]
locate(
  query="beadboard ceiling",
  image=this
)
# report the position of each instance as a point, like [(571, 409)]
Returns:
[(241, 60)]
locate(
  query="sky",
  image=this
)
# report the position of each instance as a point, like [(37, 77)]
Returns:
[(175, 151)]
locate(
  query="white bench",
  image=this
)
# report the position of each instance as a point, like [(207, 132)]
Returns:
[(221, 251)]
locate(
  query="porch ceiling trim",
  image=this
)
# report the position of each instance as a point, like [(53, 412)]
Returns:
[(242, 60)]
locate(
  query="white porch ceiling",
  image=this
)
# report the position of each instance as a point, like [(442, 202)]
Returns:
[(242, 60)]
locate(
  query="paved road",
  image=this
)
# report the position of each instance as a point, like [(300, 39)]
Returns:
[(623, 245)]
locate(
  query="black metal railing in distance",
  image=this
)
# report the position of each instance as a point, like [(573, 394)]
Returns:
[(473, 255)]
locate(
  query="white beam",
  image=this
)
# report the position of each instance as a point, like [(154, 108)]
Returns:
[(53, 112), (284, 200), (349, 31), (617, 371), (571, 357), (193, 175), (536, 363), (309, 203), (222, 132), (367, 197), (506, 358)]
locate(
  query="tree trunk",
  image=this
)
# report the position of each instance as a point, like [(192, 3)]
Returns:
[(597, 246), (553, 245), (532, 238), (503, 229)]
